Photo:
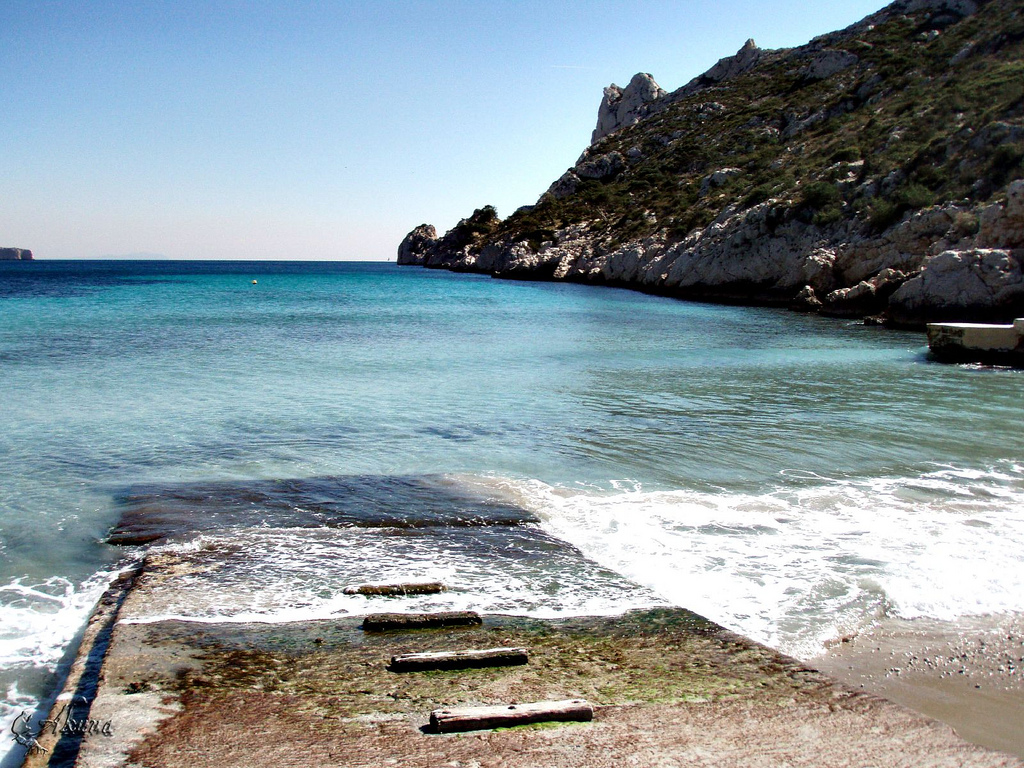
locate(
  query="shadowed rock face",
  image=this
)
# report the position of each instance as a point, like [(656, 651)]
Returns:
[(414, 247), (828, 63), (15, 254), (956, 9)]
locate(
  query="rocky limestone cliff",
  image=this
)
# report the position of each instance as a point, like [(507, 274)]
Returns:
[(874, 171), (621, 108), (15, 254), (731, 66), (624, 107)]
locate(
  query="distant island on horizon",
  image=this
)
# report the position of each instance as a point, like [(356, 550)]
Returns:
[(15, 254)]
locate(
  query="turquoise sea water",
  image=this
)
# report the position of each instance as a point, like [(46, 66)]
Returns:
[(790, 476)]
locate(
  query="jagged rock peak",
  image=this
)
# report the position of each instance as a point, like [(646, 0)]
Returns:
[(622, 107), (731, 66)]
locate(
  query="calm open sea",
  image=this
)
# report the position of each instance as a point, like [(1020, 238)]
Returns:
[(789, 476)]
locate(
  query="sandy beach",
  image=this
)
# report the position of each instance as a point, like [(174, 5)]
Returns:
[(969, 674)]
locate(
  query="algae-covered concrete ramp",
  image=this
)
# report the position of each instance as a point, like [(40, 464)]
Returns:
[(169, 673), (669, 688)]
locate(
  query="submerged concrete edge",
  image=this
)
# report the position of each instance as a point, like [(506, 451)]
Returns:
[(80, 685)]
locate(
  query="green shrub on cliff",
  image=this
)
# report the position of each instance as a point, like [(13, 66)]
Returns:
[(820, 194)]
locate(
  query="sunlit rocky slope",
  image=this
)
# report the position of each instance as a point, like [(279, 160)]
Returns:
[(876, 171)]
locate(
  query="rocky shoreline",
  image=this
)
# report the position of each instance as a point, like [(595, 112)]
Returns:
[(782, 211), (916, 273)]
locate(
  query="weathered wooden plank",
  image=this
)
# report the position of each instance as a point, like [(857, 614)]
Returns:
[(381, 622), (479, 718), (397, 590), (468, 659)]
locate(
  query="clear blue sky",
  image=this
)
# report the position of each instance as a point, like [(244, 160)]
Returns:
[(323, 130)]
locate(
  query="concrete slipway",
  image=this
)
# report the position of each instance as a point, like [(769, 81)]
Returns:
[(669, 688)]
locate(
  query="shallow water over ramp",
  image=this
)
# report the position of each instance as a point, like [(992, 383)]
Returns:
[(158, 511), (297, 574), (285, 550)]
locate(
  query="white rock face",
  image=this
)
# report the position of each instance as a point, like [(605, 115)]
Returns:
[(956, 284), (717, 179), (1002, 226), (905, 247), (922, 270), (827, 63), (740, 251), (415, 245), (866, 297), (15, 254), (622, 107)]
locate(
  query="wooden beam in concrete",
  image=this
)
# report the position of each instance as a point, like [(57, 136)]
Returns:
[(468, 659), (383, 622), (480, 718)]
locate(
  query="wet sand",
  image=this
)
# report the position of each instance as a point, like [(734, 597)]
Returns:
[(969, 674)]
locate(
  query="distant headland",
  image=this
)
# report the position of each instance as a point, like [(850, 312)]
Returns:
[(15, 254)]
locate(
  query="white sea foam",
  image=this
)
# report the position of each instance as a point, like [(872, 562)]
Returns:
[(298, 574), (38, 621), (793, 567), (813, 559), (12, 706)]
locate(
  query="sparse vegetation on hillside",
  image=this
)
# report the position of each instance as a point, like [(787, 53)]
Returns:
[(931, 112)]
